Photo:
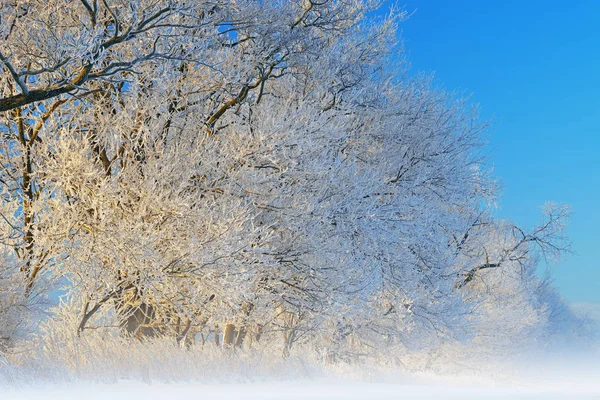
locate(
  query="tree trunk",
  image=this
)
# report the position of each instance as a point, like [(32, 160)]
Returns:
[(229, 336)]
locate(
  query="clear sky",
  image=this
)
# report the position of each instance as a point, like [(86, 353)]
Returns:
[(534, 67)]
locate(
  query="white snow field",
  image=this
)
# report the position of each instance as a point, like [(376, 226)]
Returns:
[(165, 373), (561, 377), (128, 390)]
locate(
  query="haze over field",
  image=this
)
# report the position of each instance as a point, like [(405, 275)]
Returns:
[(297, 391)]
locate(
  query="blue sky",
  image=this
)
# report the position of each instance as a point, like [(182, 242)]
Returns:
[(534, 67)]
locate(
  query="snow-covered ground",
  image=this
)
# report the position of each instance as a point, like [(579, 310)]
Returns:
[(298, 390), (559, 375)]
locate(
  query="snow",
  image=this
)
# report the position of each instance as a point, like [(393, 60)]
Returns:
[(127, 390)]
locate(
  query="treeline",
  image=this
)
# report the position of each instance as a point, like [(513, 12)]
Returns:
[(245, 172)]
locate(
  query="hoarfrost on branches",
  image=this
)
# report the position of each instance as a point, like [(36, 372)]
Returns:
[(258, 173)]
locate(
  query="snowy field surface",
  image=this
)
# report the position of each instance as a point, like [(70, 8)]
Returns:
[(127, 390)]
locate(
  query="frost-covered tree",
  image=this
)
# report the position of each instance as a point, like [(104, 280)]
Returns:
[(250, 171), (210, 56)]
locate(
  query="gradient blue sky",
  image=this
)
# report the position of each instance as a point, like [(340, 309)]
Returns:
[(534, 67)]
